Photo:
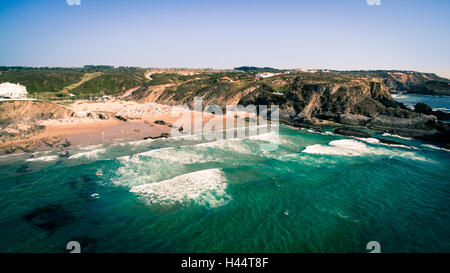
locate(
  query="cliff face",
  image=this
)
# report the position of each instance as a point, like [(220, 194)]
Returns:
[(306, 101), (19, 119), (359, 99), (415, 82)]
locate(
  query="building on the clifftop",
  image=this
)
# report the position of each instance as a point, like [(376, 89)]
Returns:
[(12, 91)]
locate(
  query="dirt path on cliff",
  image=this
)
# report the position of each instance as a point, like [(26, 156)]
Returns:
[(86, 77)]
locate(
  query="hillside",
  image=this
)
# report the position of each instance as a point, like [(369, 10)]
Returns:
[(55, 83), (350, 98), (305, 99)]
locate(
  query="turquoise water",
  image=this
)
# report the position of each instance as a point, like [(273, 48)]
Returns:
[(315, 193)]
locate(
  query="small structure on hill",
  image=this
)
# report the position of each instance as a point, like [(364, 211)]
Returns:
[(13, 91)]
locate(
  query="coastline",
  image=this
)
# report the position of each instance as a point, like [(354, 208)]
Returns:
[(138, 123)]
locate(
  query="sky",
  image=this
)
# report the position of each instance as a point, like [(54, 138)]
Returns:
[(331, 34)]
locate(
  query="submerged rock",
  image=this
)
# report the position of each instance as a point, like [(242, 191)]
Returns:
[(49, 217), (84, 186), (422, 108), (25, 168)]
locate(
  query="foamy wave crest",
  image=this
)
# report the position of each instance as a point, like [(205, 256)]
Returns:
[(346, 147), (350, 147), (397, 136), (433, 147), (378, 142), (181, 155), (206, 187), (88, 155), (233, 145), (44, 158), (92, 147)]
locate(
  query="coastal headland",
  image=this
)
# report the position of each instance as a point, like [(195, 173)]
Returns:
[(94, 105)]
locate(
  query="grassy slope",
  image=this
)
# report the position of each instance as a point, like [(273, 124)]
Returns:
[(57, 83)]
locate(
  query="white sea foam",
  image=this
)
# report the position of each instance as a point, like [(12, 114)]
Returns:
[(95, 195), (180, 155), (206, 187), (92, 147), (378, 142), (44, 158), (397, 136), (350, 147), (11, 155), (434, 147), (346, 147), (88, 155), (269, 137), (233, 145)]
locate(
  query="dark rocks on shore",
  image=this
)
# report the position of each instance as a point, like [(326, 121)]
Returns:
[(64, 154), (442, 138), (121, 118), (66, 144), (306, 124), (423, 109), (391, 142), (163, 135), (345, 131), (49, 217), (350, 119), (160, 122)]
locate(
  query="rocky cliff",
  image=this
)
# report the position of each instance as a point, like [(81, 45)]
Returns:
[(19, 119), (306, 99)]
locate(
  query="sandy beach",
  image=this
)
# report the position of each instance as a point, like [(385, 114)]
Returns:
[(136, 121)]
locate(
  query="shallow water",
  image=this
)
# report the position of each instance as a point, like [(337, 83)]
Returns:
[(315, 193)]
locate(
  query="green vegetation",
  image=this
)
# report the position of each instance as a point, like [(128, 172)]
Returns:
[(431, 88), (99, 80), (56, 83), (113, 82), (258, 69), (40, 81)]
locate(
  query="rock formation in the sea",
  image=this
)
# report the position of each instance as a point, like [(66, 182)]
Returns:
[(50, 217), (425, 109)]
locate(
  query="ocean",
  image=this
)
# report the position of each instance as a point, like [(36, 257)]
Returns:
[(437, 103), (317, 192)]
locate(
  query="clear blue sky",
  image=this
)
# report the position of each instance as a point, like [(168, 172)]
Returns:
[(335, 34)]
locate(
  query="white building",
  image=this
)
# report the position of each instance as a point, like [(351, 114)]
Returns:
[(13, 91), (266, 74)]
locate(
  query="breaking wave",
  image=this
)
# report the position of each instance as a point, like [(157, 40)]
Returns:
[(350, 147), (44, 158), (88, 155), (206, 187)]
